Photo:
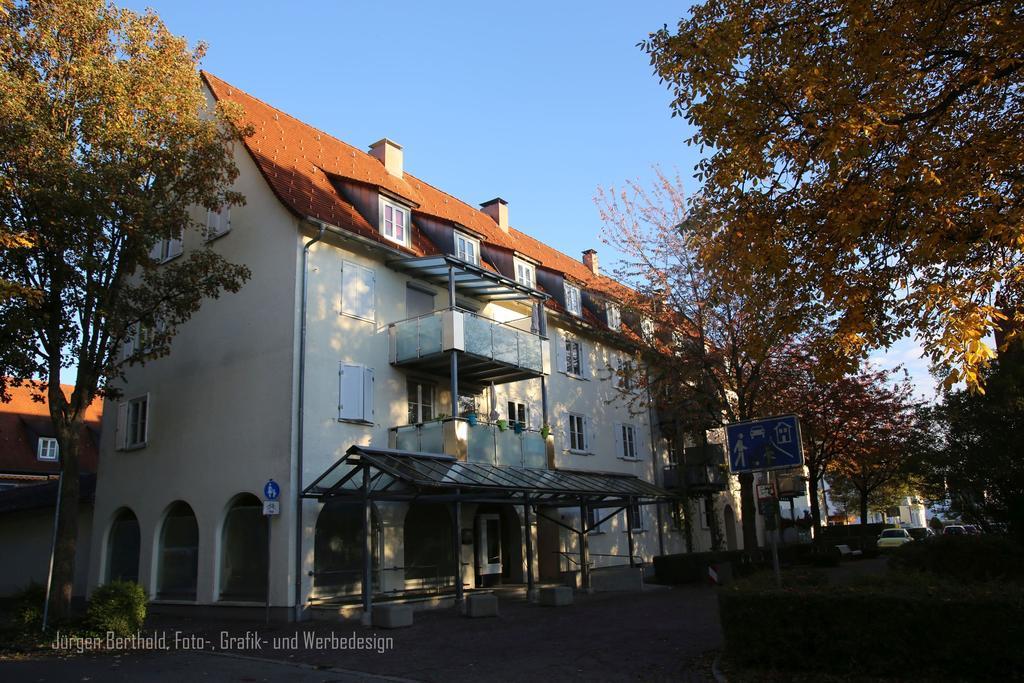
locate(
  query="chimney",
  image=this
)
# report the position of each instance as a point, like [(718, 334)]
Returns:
[(389, 153), (497, 209), (590, 261)]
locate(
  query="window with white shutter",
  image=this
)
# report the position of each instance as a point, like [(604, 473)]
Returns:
[(133, 418), (626, 441), (576, 433), (635, 517), (357, 291), (355, 392), (166, 249), (572, 300), (218, 222), (613, 315)]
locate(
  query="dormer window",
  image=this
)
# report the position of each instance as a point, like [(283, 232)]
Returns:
[(526, 274), (467, 249), (572, 300), (394, 222), (647, 328), (613, 315)]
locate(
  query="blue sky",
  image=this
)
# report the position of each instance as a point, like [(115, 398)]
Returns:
[(538, 103)]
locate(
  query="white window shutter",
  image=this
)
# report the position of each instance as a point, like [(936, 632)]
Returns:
[(121, 429), (368, 394), (155, 251), (350, 392), (175, 247), (586, 433), (149, 418), (357, 291), (584, 363), (560, 353), (619, 449), (128, 347), (566, 436)]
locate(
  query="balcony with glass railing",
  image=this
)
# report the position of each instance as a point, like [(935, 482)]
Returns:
[(493, 444), (489, 350)]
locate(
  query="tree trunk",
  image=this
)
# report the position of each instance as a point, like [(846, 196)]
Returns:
[(863, 508), (749, 510), (708, 502), (688, 524), (63, 580)]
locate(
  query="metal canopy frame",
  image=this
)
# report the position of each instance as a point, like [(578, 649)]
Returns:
[(365, 474), (406, 475), (469, 280)]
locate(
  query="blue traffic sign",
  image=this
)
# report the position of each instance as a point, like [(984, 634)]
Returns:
[(271, 491), (772, 443)]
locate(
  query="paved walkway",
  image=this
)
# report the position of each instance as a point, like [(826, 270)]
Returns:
[(659, 634)]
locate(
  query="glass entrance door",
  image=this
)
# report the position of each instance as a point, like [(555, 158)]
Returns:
[(488, 544)]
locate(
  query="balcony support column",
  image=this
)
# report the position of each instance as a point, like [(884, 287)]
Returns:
[(584, 547), (528, 517), (542, 324), (455, 356), (457, 548), (629, 530)]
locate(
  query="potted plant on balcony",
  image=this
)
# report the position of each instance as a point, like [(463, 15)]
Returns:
[(502, 424), (472, 419), (517, 427), (545, 431)]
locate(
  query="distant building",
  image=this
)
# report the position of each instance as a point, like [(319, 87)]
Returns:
[(29, 469)]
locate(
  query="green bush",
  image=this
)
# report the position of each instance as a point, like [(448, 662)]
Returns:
[(27, 606), (119, 606), (964, 558), (869, 628)]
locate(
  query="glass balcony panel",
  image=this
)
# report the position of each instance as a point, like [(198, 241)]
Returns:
[(530, 354), (508, 448), (429, 333), (506, 344), (535, 451), (406, 344), (478, 336), (407, 438), (480, 443), (432, 437)]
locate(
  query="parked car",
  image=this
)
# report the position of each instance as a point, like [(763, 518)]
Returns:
[(972, 529), (921, 533), (894, 538), (954, 530)]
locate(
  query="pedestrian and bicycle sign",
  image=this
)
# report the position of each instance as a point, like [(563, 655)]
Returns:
[(772, 443), (271, 493)]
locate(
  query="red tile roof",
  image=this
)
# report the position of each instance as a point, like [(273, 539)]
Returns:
[(23, 421), (298, 162)]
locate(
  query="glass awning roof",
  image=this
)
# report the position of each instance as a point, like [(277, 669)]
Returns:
[(398, 475), (473, 281)]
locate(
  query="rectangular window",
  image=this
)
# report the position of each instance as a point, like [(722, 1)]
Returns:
[(47, 449), (625, 441), (421, 402), (526, 274), (613, 315), (166, 249), (596, 515), (518, 413), (678, 515), (572, 300), (133, 423), (218, 222), (467, 249), (573, 358), (357, 291), (355, 393), (647, 328), (622, 372), (418, 302), (577, 433), (635, 517), (702, 508), (394, 222)]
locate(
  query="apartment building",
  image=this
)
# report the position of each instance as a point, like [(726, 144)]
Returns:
[(400, 361)]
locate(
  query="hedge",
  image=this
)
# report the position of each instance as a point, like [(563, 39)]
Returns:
[(908, 627), (964, 558), (693, 567)]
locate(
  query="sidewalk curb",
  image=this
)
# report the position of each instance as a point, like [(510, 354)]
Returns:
[(310, 667)]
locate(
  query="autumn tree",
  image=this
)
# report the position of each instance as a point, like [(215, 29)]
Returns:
[(106, 143), (708, 348), (877, 452), (875, 148)]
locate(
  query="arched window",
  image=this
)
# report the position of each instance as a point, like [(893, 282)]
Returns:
[(338, 549), (123, 547), (243, 551), (179, 554), (428, 542)]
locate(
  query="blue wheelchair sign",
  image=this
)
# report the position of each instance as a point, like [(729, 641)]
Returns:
[(771, 443), (271, 490)]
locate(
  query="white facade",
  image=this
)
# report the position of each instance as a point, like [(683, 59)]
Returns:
[(222, 416)]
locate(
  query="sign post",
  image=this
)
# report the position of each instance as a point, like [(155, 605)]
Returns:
[(271, 508), (765, 445)]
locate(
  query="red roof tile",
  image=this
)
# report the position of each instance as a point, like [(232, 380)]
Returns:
[(298, 160)]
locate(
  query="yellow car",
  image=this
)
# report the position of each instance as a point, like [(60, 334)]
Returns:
[(894, 538)]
